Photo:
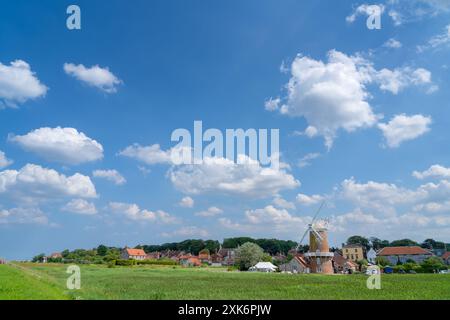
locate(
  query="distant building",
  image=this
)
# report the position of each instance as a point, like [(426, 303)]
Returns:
[(136, 254), (153, 256), (446, 258), (403, 254), (228, 256), (190, 261), (55, 255), (342, 265), (204, 258), (372, 256), (2, 261), (353, 252), (297, 264)]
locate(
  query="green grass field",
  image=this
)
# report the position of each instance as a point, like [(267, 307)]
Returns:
[(37, 281)]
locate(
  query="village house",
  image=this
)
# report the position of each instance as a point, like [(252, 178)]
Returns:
[(297, 265), (353, 252), (153, 256), (55, 255), (227, 256), (190, 261), (446, 258), (342, 265), (2, 261), (135, 254), (204, 258), (403, 254)]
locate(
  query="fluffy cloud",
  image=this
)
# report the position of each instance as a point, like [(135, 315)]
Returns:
[(225, 176), (94, 76), (148, 154), (19, 84), (309, 200), (272, 215), (133, 212), (64, 145), (4, 161), (110, 175), (330, 96), (398, 79), (34, 182), (435, 171), (80, 206), (187, 231), (392, 43), (23, 216), (283, 203), (186, 202), (333, 95), (404, 128), (210, 212)]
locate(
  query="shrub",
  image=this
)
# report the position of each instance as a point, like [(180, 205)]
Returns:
[(126, 263), (161, 262)]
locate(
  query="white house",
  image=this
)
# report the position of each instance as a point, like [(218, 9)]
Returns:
[(136, 254), (371, 256), (264, 267)]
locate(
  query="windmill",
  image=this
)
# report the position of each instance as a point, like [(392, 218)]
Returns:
[(319, 255)]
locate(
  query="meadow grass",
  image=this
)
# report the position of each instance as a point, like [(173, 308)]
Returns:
[(158, 282)]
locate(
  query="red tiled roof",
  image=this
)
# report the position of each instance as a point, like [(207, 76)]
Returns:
[(446, 255), (392, 251), (135, 252)]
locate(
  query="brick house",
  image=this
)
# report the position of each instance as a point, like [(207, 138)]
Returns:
[(190, 261), (446, 258), (403, 254)]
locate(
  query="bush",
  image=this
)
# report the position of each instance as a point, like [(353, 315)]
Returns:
[(125, 263), (161, 262)]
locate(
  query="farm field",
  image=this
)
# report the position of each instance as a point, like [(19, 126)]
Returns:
[(39, 281)]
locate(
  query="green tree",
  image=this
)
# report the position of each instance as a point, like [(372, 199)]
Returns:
[(364, 242), (248, 254), (39, 258), (433, 264), (403, 243), (382, 261), (102, 250)]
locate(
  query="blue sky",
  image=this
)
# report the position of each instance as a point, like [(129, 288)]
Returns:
[(81, 113)]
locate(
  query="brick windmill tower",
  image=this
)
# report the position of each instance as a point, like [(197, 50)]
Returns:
[(319, 256)]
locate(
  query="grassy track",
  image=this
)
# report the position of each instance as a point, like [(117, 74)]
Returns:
[(153, 282), (19, 284)]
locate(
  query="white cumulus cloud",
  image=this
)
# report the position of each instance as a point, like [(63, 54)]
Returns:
[(403, 128), (4, 161), (133, 212), (435, 171), (64, 145), (210, 212), (23, 216), (94, 76), (34, 182), (19, 84), (80, 206), (222, 175), (148, 154), (186, 202), (110, 175)]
